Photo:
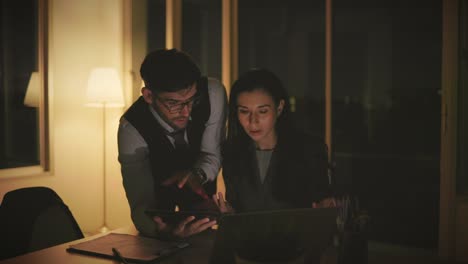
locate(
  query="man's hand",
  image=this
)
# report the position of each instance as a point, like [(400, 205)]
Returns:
[(185, 177), (223, 205), (185, 228), (179, 178)]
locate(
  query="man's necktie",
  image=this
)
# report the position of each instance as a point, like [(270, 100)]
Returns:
[(179, 139)]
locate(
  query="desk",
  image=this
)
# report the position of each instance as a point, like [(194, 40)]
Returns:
[(199, 252)]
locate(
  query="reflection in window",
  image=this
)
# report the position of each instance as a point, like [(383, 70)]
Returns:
[(386, 113), (288, 38), (386, 98), (201, 34), (19, 135)]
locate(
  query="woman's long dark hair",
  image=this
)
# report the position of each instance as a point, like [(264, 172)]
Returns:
[(297, 188), (256, 79)]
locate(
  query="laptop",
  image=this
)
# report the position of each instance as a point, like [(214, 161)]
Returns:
[(274, 235)]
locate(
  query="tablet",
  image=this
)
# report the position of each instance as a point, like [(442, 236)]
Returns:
[(175, 217)]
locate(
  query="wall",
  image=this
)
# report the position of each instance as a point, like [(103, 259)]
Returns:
[(83, 34)]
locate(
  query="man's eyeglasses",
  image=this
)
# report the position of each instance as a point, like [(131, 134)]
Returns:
[(175, 106)]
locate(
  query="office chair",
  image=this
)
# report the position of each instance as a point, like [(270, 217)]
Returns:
[(34, 218)]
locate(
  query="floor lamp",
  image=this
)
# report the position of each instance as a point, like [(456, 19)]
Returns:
[(104, 91)]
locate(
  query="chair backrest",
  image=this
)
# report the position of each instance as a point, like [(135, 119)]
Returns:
[(34, 218)]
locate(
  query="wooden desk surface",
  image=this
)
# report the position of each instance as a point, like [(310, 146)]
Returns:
[(198, 252)]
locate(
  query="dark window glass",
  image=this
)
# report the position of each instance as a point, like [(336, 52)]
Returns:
[(19, 135), (201, 34), (386, 113), (287, 37), (462, 177), (156, 24)]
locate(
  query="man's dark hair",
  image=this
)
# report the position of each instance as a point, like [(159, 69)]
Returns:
[(169, 70)]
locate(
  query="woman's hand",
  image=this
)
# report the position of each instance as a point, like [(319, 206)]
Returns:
[(223, 205)]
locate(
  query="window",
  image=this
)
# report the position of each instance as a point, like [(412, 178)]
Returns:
[(23, 137), (462, 173), (156, 24), (201, 31), (201, 34), (386, 82), (386, 113), (288, 39)]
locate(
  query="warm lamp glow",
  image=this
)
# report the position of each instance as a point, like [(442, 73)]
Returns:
[(32, 93), (104, 88)]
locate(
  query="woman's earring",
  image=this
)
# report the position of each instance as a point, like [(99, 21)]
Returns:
[(280, 110), (280, 107)]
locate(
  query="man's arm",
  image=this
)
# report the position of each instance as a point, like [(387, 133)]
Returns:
[(210, 150), (136, 175), (139, 188)]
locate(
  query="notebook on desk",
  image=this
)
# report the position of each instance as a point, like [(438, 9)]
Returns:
[(132, 248), (273, 235)]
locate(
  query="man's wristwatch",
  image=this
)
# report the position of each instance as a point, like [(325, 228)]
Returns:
[(200, 175)]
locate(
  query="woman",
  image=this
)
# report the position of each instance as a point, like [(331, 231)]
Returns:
[(267, 164)]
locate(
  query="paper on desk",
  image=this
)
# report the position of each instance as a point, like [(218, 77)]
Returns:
[(132, 247)]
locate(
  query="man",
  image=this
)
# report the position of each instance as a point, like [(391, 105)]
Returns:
[(169, 142)]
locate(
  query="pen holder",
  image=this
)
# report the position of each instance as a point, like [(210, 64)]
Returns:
[(351, 239)]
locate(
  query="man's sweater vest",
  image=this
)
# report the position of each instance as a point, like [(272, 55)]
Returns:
[(164, 159)]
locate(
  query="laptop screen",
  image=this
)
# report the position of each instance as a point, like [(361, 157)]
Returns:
[(274, 235)]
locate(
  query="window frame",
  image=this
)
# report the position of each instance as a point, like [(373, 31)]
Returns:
[(43, 119)]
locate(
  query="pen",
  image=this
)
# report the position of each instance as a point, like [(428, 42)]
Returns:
[(118, 256)]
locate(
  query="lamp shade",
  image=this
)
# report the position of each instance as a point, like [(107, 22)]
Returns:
[(32, 92), (104, 88)]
